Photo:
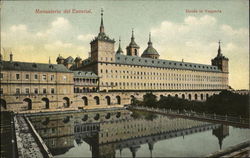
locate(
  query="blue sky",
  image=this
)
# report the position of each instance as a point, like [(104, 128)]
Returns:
[(176, 35)]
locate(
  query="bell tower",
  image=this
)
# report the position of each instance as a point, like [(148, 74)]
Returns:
[(133, 48), (102, 47), (220, 61)]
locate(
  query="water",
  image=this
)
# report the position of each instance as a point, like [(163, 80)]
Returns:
[(117, 133)]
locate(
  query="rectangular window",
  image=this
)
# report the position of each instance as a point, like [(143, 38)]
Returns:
[(17, 90), (44, 90), (17, 76), (64, 78), (27, 90), (1, 75), (44, 77), (27, 76), (52, 91), (1, 90), (35, 76), (52, 77), (36, 90)]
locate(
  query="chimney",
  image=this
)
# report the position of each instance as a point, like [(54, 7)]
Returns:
[(11, 57)]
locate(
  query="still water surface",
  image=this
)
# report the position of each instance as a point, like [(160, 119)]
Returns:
[(121, 133)]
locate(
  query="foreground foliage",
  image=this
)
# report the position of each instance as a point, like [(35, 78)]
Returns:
[(225, 103)]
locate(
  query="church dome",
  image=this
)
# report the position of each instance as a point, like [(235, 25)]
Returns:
[(60, 58), (150, 51)]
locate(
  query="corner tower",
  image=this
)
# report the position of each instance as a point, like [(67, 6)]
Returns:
[(133, 48), (102, 47), (220, 61), (150, 52)]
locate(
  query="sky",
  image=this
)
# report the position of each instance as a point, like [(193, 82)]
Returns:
[(180, 29)]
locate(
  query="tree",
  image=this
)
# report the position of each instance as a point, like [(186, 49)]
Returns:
[(149, 100)]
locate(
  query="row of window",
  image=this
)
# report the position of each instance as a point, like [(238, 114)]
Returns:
[(165, 78), (175, 76), (85, 80), (35, 91), (162, 84), (163, 62), (36, 76)]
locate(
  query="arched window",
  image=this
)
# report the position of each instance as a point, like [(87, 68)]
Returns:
[(207, 95), (66, 102), (85, 117), (183, 96), (195, 96), (176, 95), (45, 103), (118, 100), (108, 116), (135, 51), (201, 96), (28, 103), (189, 97), (108, 100), (97, 100), (3, 104), (132, 99), (118, 114), (85, 101), (97, 116)]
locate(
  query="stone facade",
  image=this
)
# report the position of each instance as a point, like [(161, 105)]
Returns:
[(22, 88)]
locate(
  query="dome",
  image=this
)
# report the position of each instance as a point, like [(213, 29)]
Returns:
[(150, 49), (60, 58)]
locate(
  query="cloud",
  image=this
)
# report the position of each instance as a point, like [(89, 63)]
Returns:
[(20, 27), (61, 23), (204, 20), (57, 27), (58, 45), (86, 37), (228, 30), (196, 40)]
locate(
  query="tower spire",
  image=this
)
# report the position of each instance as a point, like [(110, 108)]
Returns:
[(149, 41), (120, 42), (102, 26), (219, 49), (132, 38), (119, 50)]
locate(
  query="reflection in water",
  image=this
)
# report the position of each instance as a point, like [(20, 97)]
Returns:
[(109, 132), (221, 133)]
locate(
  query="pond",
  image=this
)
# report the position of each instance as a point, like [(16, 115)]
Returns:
[(123, 133)]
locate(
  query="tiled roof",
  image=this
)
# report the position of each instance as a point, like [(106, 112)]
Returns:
[(26, 66), (88, 74), (134, 60), (103, 37), (69, 60)]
